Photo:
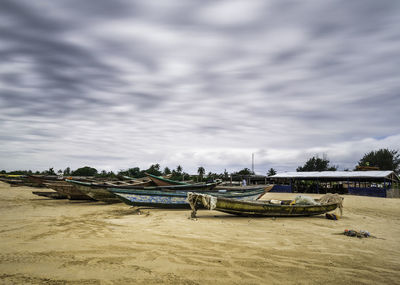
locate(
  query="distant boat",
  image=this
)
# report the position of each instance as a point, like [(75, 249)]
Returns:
[(68, 189), (13, 181), (130, 183), (39, 180), (176, 198), (260, 208), (98, 193), (48, 194), (161, 181)]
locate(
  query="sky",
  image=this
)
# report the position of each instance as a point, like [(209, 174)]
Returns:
[(118, 84)]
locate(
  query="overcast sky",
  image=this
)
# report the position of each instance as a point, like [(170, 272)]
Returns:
[(117, 84)]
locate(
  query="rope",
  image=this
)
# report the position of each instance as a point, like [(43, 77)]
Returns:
[(194, 200), (333, 199)]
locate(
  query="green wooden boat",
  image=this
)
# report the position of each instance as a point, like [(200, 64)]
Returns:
[(263, 208), (161, 181)]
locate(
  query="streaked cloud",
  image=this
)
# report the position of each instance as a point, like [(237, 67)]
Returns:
[(125, 83)]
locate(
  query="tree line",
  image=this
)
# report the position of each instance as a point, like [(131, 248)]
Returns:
[(382, 159)]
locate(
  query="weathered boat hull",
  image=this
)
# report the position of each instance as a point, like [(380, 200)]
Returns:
[(186, 187), (13, 182), (178, 199), (68, 189), (258, 208), (52, 195), (96, 193), (161, 181)]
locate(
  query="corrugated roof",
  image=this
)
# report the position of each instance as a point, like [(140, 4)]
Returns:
[(334, 174)]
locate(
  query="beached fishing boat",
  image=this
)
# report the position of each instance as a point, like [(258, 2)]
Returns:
[(168, 198), (161, 181), (39, 180), (98, 193), (272, 208), (130, 183), (67, 189), (142, 186), (48, 194), (13, 181)]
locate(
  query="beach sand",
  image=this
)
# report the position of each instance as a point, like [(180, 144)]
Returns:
[(45, 241)]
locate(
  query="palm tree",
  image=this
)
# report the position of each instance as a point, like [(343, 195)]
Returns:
[(271, 172), (201, 172)]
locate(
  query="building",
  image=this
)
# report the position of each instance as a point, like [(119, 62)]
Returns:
[(365, 183)]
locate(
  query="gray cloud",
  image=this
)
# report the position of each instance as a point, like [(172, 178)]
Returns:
[(129, 83)]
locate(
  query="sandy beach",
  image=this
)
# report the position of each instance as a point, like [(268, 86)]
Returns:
[(45, 241)]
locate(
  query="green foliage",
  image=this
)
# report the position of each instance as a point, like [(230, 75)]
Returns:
[(244, 171), (50, 171), (201, 171), (67, 171), (19, 172), (154, 169), (316, 164), (85, 171), (167, 171), (385, 159), (132, 172), (225, 175), (271, 172), (107, 174), (179, 176)]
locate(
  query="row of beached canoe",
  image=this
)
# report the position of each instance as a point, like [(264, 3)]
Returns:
[(161, 192)]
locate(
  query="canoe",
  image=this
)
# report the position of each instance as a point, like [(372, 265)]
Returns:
[(98, 193), (39, 180), (13, 181), (175, 199), (139, 186), (52, 195), (67, 189), (127, 184), (161, 181), (263, 208)]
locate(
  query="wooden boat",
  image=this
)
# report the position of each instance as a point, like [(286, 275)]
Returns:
[(98, 193), (67, 189), (48, 194), (161, 181), (168, 198), (39, 180), (105, 185), (13, 181), (262, 208), (130, 183)]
